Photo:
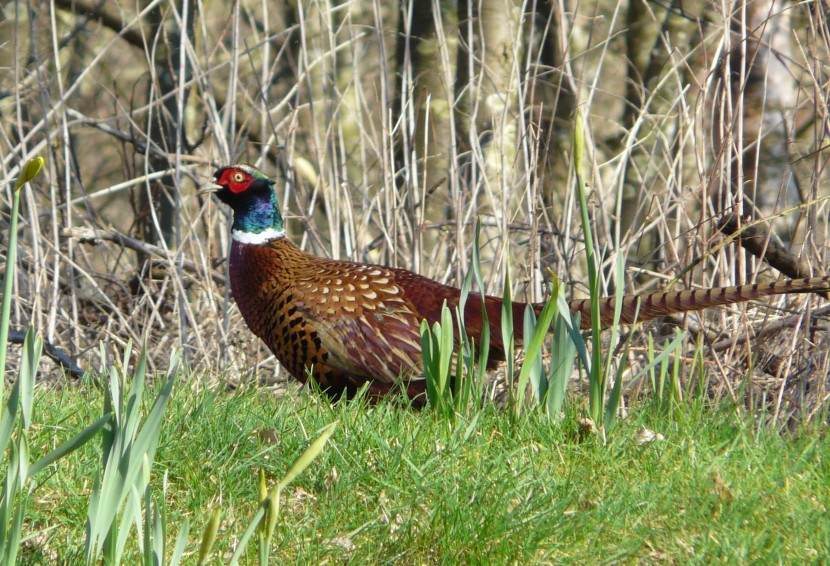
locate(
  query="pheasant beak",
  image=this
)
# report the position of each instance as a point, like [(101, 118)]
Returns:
[(209, 188)]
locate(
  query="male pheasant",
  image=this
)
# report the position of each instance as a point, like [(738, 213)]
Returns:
[(347, 324)]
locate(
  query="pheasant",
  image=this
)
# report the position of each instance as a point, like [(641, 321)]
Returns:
[(347, 324)]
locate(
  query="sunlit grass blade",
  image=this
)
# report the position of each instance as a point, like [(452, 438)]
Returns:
[(460, 385), (677, 388), (262, 487), (483, 356), (145, 531), (130, 514), (595, 374)]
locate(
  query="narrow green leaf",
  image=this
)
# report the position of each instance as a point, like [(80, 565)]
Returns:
[(129, 450), (476, 259), (484, 342), (11, 492), (209, 537), (131, 515), (147, 531), (483, 349), (430, 363), (507, 309), (676, 389), (262, 487), (615, 325), (309, 454), (562, 362), (616, 390), (8, 288), (466, 286), (23, 459), (446, 349), (533, 348), (32, 348), (9, 416), (668, 350), (15, 531), (70, 445), (28, 172), (158, 537), (579, 144), (246, 536), (507, 333), (273, 513), (527, 375), (597, 386), (650, 358), (181, 543)]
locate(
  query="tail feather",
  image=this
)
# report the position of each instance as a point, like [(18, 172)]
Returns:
[(661, 304)]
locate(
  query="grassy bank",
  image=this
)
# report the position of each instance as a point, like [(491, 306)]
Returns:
[(397, 485)]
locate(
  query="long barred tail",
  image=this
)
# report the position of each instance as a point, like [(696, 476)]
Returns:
[(662, 304)]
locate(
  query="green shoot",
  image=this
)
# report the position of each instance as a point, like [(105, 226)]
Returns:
[(268, 511)]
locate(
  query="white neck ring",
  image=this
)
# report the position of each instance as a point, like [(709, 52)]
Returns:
[(257, 237)]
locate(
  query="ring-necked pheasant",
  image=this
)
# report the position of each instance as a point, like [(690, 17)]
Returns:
[(352, 323)]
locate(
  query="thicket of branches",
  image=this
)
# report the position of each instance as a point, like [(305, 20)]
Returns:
[(392, 127)]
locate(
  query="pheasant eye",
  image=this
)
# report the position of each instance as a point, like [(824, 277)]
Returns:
[(238, 177)]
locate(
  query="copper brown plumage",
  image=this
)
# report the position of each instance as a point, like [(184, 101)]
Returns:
[(348, 324)]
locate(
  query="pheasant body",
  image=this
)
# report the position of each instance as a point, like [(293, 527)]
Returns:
[(347, 324)]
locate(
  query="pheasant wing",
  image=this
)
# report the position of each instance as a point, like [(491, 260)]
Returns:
[(363, 320)]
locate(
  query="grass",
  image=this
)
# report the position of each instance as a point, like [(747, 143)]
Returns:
[(396, 485)]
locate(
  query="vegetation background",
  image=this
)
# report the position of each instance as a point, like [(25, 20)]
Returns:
[(393, 126)]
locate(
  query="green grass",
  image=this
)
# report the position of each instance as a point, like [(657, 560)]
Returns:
[(395, 485)]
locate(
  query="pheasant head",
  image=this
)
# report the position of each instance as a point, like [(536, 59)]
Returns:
[(250, 193)]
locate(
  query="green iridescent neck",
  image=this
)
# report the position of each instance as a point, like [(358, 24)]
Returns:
[(257, 217)]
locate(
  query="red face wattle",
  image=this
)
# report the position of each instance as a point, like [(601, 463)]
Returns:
[(236, 180)]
